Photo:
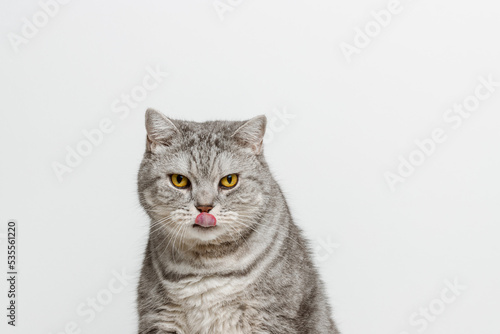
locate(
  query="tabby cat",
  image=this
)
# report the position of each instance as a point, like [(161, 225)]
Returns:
[(223, 256)]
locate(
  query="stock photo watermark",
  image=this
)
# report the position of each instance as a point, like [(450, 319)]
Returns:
[(88, 309), (31, 27), (94, 137), (428, 314), (277, 121), (11, 238), (453, 119), (223, 7), (325, 248), (365, 34)]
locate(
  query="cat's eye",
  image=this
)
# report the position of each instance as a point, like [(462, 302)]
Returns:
[(229, 181), (180, 181)]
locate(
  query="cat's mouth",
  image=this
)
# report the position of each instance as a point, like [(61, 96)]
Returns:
[(204, 227), (205, 220)]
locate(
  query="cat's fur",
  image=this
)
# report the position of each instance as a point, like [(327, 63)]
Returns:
[(253, 272)]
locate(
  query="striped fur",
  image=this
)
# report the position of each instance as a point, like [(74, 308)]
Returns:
[(252, 273)]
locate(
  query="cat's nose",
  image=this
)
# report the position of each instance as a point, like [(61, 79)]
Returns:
[(204, 208)]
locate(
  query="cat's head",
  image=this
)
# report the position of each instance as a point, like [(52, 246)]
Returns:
[(215, 167)]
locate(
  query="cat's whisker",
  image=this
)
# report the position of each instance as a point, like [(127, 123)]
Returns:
[(156, 226), (177, 229), (241, 236), (169, 221)]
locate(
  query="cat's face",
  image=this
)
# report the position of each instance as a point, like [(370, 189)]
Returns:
[(215, 167)]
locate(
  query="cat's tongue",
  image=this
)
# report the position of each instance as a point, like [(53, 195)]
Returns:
[(205, 219)]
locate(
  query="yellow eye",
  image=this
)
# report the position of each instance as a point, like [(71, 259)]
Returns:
[(180, 181), (229, 181)]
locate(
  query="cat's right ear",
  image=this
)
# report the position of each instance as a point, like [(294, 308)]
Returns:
[(161, 130), (251, 133)]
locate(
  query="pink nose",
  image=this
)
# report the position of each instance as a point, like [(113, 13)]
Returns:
[(205, 219)]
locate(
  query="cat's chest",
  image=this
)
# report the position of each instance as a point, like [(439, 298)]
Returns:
[(213, 305), (228, 319)]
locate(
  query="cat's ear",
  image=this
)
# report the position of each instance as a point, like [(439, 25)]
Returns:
[(251, 133), (161, 130)]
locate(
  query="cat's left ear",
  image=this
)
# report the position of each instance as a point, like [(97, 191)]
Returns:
[(251, 133), (161, 130)]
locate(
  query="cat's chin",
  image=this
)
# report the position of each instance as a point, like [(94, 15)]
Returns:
[(204, 234)]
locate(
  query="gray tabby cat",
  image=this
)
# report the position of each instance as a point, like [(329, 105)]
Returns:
[(224, 256)]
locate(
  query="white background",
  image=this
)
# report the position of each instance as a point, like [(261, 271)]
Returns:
[(384, 255)]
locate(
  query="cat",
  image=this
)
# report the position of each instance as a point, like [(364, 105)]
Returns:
[(223, 256)]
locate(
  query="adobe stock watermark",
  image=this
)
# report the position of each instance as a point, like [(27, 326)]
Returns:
[(48, 9), (277, 121), (324, 248), (425, 316), (223, 7), (453, 119), (363, 36), (94, 137), (88, 309)]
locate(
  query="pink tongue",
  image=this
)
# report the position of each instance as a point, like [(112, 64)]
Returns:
[(205, 219)]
